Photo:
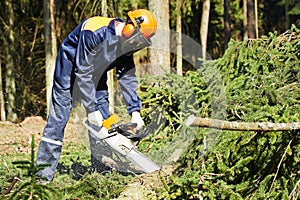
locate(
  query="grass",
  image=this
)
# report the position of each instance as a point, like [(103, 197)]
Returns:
[(89, 186)]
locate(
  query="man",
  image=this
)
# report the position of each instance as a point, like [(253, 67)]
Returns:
[(95, 46)]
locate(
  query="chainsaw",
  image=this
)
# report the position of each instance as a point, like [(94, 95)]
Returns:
[(121, 139)]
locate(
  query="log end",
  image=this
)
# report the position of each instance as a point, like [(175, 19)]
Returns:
[(190, 120)]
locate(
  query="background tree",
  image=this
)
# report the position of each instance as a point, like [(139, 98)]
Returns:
[(159, 51), (227, 22), (50, 45), (204, 26), (245, 20), (292, 7), (2, 104), (251, 19), (23, 60), (110, 74), (10, 82), (179, 38)]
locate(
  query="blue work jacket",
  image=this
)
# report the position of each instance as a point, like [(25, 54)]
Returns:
[(84, 58)]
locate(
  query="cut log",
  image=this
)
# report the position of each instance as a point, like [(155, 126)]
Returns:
[(241, 126), (143, 186)]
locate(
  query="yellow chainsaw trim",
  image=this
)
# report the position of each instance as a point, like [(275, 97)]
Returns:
[(113, 119), (94, 23)]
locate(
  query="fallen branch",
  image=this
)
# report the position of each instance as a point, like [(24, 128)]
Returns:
[(278, 167), (241, 126), (11, 186), (296, 191)]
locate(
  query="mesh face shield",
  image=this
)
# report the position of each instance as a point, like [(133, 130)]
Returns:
[(134, 43)]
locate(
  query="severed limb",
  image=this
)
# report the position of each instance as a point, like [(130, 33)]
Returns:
[(241, 126)]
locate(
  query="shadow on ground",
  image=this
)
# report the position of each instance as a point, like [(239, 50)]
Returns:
[(77, 170)]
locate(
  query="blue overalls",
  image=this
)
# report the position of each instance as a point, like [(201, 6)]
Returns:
[(83, 59)]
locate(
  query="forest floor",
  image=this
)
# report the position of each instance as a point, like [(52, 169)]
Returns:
[(15, 144), (16, 137), (16, 140)]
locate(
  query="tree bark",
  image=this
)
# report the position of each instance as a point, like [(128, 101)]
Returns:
[(2, 104), (159, 52), (227, 22), (50, 46), (256, 18), (110, 74), (251, 19), (178, 39), (245, 21), (204, 26), (287, 17), (241, 126), (10, 82)]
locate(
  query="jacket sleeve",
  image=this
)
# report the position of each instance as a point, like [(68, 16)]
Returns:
[(128, 83), (85, 56)]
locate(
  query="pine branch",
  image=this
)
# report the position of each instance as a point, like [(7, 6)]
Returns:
[(241, 126)]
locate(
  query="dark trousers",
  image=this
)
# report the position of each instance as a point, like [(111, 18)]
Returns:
[(50, 146)]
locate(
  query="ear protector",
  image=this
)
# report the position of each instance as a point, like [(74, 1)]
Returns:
[(128, 30), (131, 26)]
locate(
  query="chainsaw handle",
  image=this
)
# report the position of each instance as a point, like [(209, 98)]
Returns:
[(130, 126), (123, 128)]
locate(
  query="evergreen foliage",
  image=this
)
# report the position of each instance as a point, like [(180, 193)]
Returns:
[(263, 75), (31, 189), (262, 84), (96, 186)]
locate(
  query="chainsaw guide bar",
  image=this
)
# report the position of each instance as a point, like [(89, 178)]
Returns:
[(122, 142)]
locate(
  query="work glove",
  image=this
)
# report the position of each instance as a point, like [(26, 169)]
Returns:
[(136, 118), (95, 118)]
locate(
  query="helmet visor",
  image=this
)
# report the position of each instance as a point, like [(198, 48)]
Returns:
[(135, 43)]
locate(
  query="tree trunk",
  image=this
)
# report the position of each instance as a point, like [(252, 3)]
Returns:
[(241, 126), (159, 52), (245, 21), (256, 18), (110, 74), (178, 39), (251, 19), (287, 17), (50, 46), (10, 86), (204, 33), (204, 26), (2, 104), (227, 22)]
